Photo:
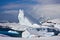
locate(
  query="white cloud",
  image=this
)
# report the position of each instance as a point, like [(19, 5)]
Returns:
[(10, 11), (52, 10), (11, 6), (45, 1), (15, 6)]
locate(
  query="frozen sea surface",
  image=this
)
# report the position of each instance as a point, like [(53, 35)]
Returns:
[(41, 38)]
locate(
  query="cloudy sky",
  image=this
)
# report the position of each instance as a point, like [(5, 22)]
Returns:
[(35, 8)]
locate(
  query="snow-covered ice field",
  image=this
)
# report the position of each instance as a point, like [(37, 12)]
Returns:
[(41, 38)]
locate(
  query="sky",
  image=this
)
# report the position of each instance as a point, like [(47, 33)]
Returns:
[(36, 8)]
